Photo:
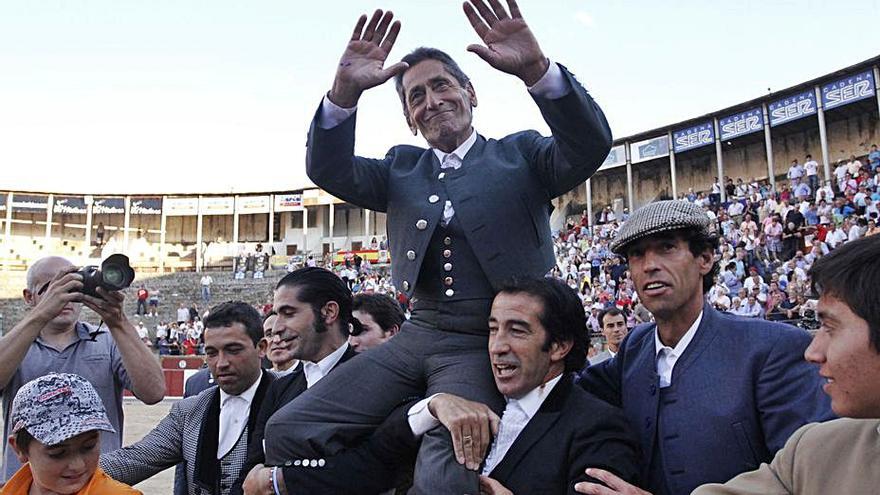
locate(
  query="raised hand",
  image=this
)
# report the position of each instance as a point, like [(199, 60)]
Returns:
[(362, 64), (510, 45)]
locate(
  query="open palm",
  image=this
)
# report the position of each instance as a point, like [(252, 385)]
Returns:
[(362, 64), (510, 45)]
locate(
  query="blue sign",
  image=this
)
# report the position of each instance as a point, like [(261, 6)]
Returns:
[(146, 206), (848, 89), (2, 201), (69, 205), (108, 206), (792, 108), (649, 149), (693, 137), (741, 124), (615, 158), (30, 203)]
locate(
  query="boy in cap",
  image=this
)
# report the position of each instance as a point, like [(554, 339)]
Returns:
[(57, 422), (712, 395)]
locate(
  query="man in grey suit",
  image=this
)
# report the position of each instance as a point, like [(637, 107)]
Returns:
[(207, 432), (613, 324), (464, 216)]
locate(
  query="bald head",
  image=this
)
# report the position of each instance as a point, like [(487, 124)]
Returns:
[(44, 270)]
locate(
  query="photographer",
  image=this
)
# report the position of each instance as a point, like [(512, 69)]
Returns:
[(51, 339)]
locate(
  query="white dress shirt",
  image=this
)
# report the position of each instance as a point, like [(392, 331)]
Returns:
[(315, 371), (234, 413), (668, 356), (516, 416)]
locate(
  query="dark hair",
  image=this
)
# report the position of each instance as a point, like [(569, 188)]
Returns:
[(384, 310), (23, 440), (424, 53), (851, 273), (612, 311), (562, 315), (225, 314), (700, 241), (318, 286)]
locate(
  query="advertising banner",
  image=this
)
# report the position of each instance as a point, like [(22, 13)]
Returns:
[(69, 205), (252, 204), (741, 124), (146, 206), (848, 89), (211, 205), (792, 108), (108, 206), (289, 202), (649, 149), (616, 157), (175, 207), (693, 137), (31, 203)]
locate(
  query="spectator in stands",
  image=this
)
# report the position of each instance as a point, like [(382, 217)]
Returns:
[(854, 166), (811, 169), (142, 295), (835, 236), (380, 317), (154, 303), (209, 433), (182, 314), (58, 439), (614, 329), (50, 337), (143, 334), (874, 158), (205, 283), (840, 173), (795, 172), (659, 376)]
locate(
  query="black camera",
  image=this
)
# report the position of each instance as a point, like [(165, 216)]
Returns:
[(115, 273)]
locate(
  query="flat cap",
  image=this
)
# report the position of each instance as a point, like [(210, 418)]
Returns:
[(655, 218)]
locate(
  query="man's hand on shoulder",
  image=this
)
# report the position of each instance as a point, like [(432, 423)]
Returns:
[(510, 45), (471, 424), (361, 65)]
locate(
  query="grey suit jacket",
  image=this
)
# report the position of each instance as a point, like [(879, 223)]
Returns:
[(501, 193), (188, 434)]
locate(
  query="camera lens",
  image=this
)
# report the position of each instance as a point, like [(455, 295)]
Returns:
[(113, 276)]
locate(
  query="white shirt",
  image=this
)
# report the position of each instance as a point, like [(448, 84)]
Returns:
[(668, 356), (315, 371), (522, 411), (811, 167), (207, 280), (234, 412)]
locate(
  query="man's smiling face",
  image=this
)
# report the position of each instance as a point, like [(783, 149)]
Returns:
[(437, 105)]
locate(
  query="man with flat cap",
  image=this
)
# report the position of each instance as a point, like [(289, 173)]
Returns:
[(464, 215), (711, 395)]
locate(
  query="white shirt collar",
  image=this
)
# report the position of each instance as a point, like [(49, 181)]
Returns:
[(461, 151), (612, 353), (315, 371), (682, 344), (532, 401), (247, 395)]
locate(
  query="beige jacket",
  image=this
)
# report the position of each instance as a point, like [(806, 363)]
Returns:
[(837, 457)]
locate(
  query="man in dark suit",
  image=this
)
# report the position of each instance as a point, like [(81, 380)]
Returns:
[(463, 217), (549, 433), (207, 432), (314, 315), (711, 395)]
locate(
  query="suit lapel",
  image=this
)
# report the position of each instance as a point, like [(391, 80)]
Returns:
[(706, 333), (260, 394), (207, 468), (542, 421)]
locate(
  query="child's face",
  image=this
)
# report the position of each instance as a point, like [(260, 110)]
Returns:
[(66, 467)]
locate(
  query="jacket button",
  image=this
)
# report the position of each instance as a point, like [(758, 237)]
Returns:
[(410, 255), (422, 224), (433, 198), (441, 176), (288, 463), (450, 292), (447, 241), (405, 285), (321, 462), (447, 267), (447, 281), (447, 253)]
